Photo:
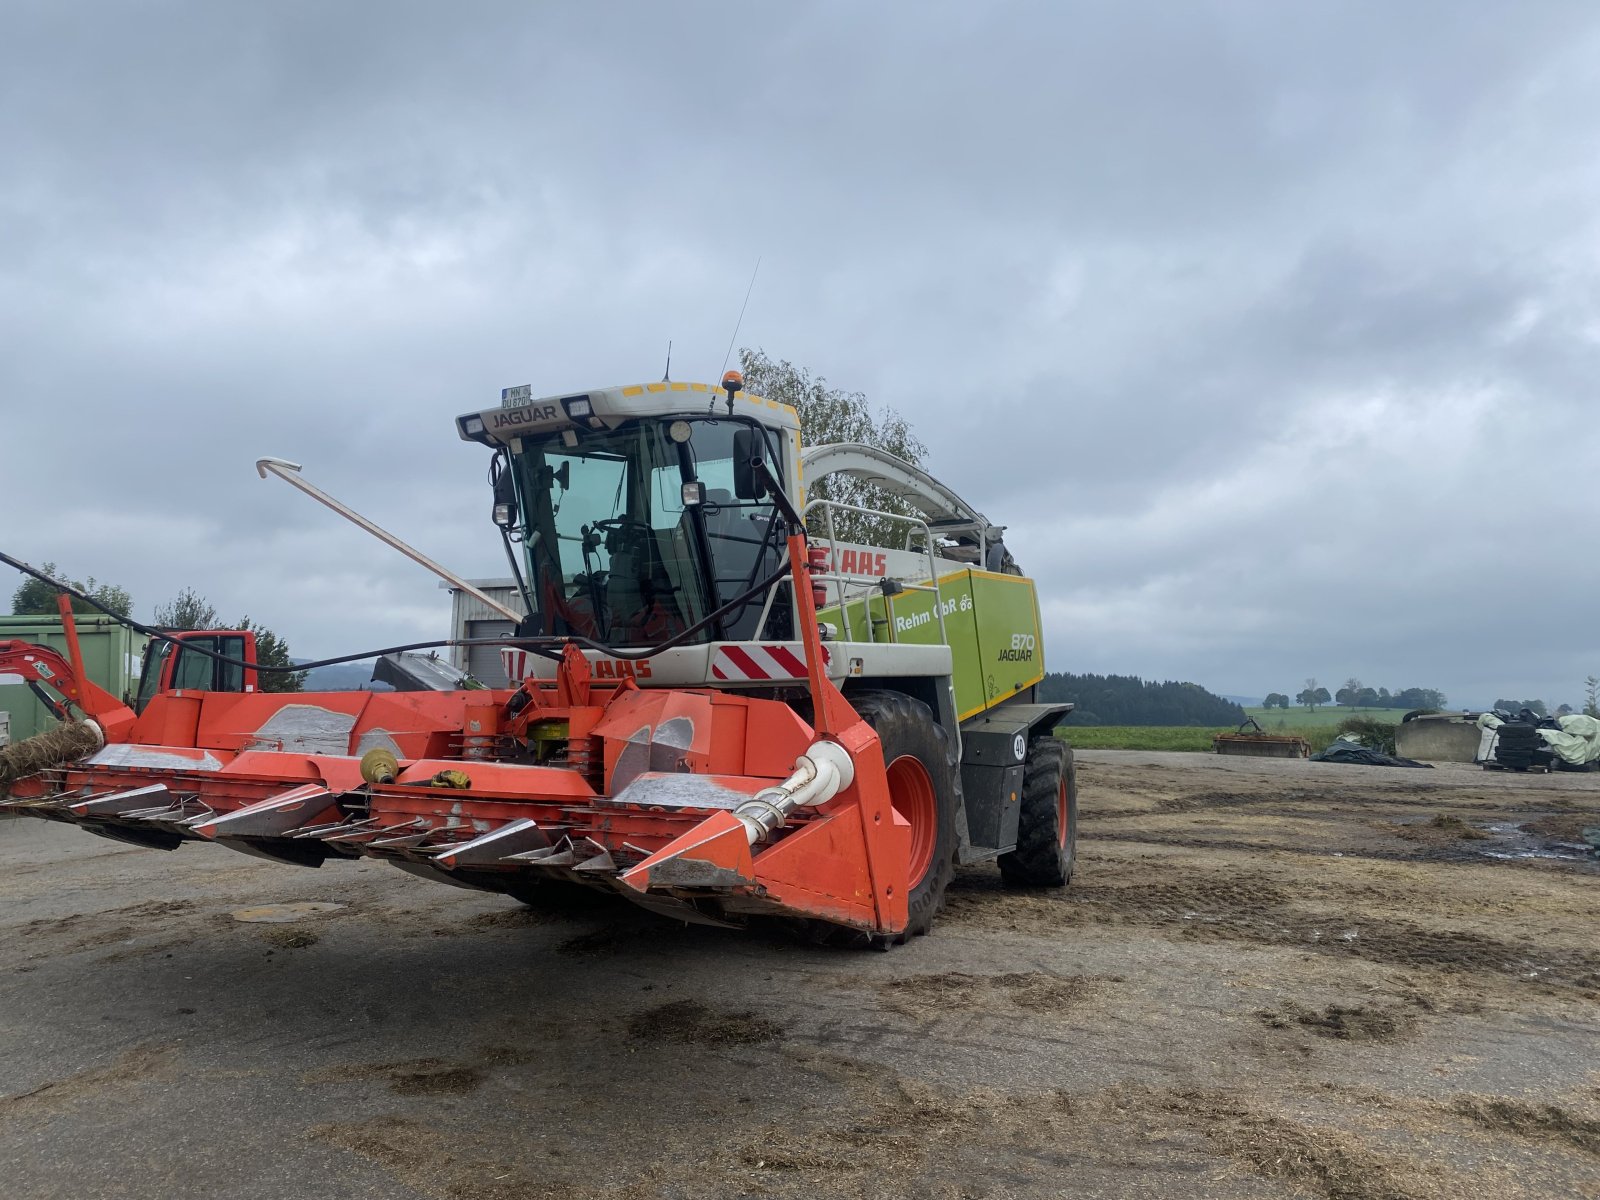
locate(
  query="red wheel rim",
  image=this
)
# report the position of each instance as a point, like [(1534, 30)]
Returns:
[(911, 794), (1063, 813)]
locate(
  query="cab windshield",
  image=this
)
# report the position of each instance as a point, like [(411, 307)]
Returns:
[(614, 554)]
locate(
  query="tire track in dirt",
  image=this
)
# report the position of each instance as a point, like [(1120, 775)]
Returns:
[(934, 993), (141, 1064), (893, 1128), (1245, 908)]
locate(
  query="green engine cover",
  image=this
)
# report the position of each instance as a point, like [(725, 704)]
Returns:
[(991, 623)]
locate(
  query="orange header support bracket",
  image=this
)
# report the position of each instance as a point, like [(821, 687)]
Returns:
[(69, 627), (573, 677), (831, 712)]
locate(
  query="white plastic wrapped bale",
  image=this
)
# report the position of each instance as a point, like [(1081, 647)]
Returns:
[(1487, 722), (1577, 741)]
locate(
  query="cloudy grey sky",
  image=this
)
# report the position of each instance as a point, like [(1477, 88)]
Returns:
[(1270, 329)]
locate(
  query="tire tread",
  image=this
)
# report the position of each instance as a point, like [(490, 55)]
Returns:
[(1039, 859)]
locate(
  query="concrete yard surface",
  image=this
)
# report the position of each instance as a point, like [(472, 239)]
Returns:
[(1268, 979)]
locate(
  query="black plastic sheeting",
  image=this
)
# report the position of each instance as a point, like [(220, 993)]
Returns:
[(1349, 752)]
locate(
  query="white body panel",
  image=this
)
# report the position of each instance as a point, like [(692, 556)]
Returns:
[(738, 665)]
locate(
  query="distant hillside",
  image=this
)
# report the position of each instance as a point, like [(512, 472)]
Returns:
[(341, 677), (1129, 700)]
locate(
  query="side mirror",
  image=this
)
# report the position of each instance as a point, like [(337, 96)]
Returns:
[(749, 452)]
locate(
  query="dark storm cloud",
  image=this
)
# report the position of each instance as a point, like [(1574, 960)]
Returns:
[(1270, 329)]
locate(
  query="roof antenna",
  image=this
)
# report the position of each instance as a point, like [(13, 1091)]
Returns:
[(666, 376), (742, 307)]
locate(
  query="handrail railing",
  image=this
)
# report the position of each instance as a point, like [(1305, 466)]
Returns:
[(829, 507)]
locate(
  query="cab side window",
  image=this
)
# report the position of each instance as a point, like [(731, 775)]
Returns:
[(201, 673)]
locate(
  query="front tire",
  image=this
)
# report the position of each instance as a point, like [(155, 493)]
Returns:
[(918, 760), (1047, 825)]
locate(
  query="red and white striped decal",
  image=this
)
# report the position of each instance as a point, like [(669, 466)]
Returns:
[(759, 662), (518, 664)]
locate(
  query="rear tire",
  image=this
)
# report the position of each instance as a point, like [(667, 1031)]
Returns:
[(918, 757), (1047, 826)]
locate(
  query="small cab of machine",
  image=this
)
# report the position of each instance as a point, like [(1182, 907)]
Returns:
[(177, 665), (638, 511)]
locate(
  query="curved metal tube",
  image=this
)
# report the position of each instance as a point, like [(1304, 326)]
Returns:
[(820, 774)]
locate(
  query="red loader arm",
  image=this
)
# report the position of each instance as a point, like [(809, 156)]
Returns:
[(40, 667)]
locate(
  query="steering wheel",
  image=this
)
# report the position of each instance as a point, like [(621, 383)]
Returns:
[(620, 531)]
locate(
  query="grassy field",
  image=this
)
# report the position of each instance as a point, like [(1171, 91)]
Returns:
[(1140, 737), (1317, 726), (1279, 720)]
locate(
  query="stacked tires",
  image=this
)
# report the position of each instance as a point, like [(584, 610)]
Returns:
[(1520, 748)]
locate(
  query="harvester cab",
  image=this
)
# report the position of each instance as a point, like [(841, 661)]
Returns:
[(729, 698), (642, 511)]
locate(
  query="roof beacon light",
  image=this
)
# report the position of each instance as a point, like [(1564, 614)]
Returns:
[(732, 382)]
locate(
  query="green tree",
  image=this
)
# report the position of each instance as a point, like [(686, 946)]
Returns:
[(273, 651), (1350, 694), (1312, 694), (1591, 696), (35, 596), (828, 415), (188, 610)]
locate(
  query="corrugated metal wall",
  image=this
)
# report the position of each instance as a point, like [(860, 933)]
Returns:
[(472, 618), (484, 661)]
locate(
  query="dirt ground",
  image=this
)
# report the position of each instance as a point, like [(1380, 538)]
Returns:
[(1268, 979)]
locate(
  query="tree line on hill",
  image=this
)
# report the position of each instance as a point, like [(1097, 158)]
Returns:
[(1130, 700), (1355, 694)]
